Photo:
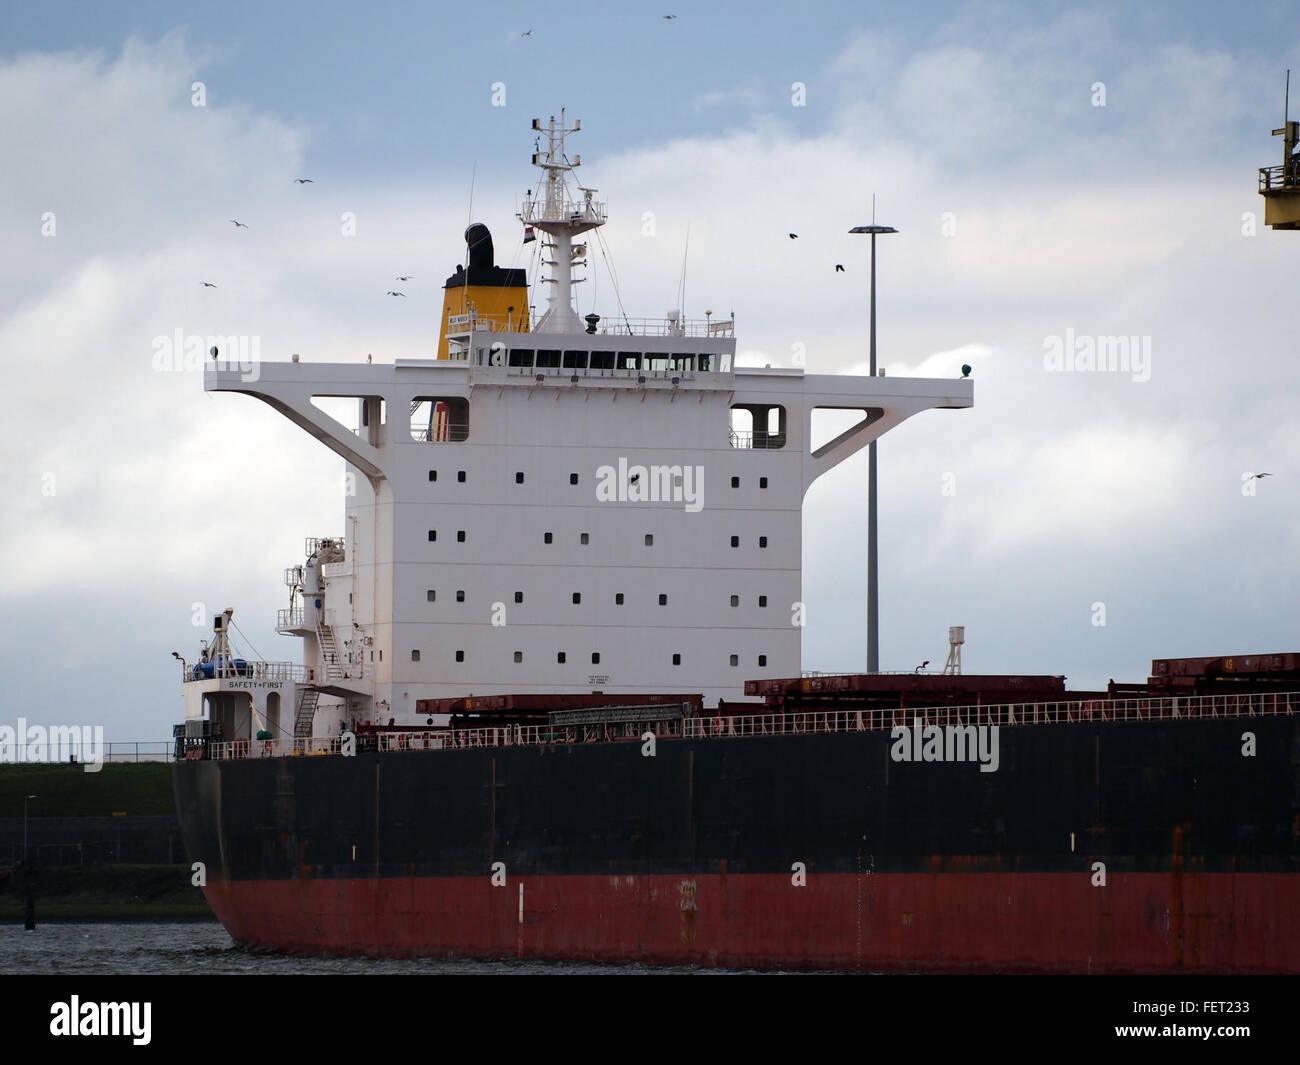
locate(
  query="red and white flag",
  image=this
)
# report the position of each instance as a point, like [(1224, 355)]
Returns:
[(529, 234)]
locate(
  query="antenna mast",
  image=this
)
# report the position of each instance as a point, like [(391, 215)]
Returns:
[(562, 219)]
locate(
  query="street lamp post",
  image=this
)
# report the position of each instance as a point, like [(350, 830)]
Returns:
[(25, 802), (873, 589)]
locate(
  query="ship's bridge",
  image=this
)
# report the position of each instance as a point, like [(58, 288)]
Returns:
[(624, 345)]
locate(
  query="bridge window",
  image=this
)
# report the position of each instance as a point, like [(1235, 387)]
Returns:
[(683, 362), (548, 358), (575, 360), (521, 356), (629, 360), (602, 360)]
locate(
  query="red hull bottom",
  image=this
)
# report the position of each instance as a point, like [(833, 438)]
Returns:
[(950, 922)]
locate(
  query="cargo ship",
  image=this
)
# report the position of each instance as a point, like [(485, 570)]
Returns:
[(551, 702)]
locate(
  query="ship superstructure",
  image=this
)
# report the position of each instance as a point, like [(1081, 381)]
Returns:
[(550, 504)]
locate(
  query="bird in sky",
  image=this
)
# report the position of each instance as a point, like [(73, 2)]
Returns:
[(794, 236), (526, 33), (392, 293), (921, 666), (207, 284), (406, 278), (839, 268), (304, 181), (666, 17), (1257, 476), (239, 225)]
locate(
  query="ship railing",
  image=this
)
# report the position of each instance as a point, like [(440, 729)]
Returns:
[(707, 725), (747, 440), (461, 325), (1002, 715), (249, 670), (443, 433), (286, 620)]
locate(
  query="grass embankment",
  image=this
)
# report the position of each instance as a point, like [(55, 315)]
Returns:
[(142, 789), (106, 891)]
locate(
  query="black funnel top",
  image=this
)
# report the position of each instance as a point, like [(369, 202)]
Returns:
[(482, 264)]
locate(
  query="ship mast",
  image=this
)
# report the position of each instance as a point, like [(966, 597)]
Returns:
[(561, 219)]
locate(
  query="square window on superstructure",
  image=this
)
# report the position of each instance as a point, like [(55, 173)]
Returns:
[(577, 597), (415, 655), (559, 657), (519, 477), (460, 536), (460, 597), (735, 482), (585, 538), (663, 599), (519, 656), (519, 597), (762, 482), (762, 541), (735, 660), (735, 541), (433, 475), (735, 600), (762, 600), (460, 476), (433, 535), (649, 540), (762, 660), (431, 595), (547, 538), (618, 598), (595, 658), (573, 478), (460, 656), (677, 660)]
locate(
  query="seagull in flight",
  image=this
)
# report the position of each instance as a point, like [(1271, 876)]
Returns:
[(839, 268), (794, 236), (392, 293), (406, 278), (526, 33), (669, 16), (239, 225), (207, 284), (304, 181), (1257, 476)]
